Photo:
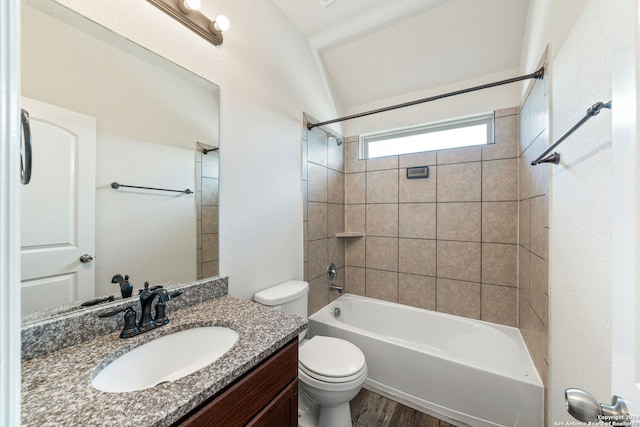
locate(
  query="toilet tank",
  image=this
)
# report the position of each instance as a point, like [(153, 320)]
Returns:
[(289, 297)]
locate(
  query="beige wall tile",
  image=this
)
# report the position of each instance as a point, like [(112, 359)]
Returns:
[(305, 199), (460, 155), (525, 223), (199, 264), (500, 222), (335, 190), (317, 184), (351, 138), (355, 251), (335, 223), (382, 186), (318, 294), (336, 252), (351, 162), (198, 234), (417, 190), (382, 285), (305, 241), (210, 269), (539, 292), (459, 298), (427, 158), (335, 154), (539, 175), (459, 260), (209, 247), (317, 147), (499, 264), (382, 163), (318, 220), (318, 258), (500, 180), (417, 256), (499, 304), (417, 291), (510, 111), (198, 200), (209, 219), (524, 186), (354, 191), (417, 220), (382, 253), (198, 174), (523, 275), (506, 144), (355, 281), (210, 191), (354, 218), (382, 220), (459, 182), (539, 226), (460, 221)]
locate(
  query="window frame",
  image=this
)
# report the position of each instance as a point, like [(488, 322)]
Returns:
[(487, 118)]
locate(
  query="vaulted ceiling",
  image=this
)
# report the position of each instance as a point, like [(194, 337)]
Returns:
[(378, 49)]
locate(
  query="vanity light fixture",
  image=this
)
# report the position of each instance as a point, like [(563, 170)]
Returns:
[(187, 12)]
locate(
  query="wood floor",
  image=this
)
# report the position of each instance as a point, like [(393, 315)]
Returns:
[(369, 409)]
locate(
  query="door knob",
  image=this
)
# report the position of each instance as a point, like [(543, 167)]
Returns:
[(584, 407), (86, 258)]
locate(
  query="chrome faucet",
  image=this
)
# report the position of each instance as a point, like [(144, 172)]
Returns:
[(333, 287)]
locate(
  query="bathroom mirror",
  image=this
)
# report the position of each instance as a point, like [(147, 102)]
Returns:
[(152, 120)]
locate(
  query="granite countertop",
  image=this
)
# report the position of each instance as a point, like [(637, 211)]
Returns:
[(57, 390)]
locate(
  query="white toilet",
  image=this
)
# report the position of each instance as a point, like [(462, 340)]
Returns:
[(331, 371)]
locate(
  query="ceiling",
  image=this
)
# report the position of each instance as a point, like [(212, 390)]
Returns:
[(372, 50)]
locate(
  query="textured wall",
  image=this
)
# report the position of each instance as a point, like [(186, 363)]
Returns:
[(267, 78)]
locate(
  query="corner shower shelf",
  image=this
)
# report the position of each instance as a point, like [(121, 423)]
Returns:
[(350, 234)]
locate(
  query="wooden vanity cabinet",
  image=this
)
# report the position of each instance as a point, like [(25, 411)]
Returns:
[(266, 396)]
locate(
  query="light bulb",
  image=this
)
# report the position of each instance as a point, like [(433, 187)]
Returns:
[(187, 6), (221, 23)]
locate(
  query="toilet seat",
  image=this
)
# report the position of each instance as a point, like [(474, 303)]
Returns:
[(331, 360)]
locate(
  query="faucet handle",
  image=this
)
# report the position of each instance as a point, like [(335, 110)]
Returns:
[(130, 329)]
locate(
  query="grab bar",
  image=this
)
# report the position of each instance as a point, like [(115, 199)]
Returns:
[(26, 163), (116, 185), (554, 158)]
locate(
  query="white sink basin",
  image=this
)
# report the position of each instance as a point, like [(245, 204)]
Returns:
[(165, 359)]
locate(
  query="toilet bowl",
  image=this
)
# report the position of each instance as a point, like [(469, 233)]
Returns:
[(331, 370)]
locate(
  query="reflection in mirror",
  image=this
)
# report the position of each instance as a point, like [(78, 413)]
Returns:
[(148, 120)]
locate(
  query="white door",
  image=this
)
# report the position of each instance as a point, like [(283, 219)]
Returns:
[(57, 208)]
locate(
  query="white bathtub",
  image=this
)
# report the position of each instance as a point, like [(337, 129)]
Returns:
[(464, 371)]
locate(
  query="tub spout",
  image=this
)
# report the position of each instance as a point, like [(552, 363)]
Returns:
[(333, 287)]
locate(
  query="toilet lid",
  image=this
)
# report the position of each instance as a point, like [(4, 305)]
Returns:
[(331, 357)]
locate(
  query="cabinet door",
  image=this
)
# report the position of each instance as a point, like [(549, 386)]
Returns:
[(250, 396), (281, 411)]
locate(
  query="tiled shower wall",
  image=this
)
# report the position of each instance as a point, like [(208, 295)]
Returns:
[(446, 243), (206, 193), (533, 301), (323, 186)]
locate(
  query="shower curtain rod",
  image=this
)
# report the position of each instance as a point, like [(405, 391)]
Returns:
[(537, 75)]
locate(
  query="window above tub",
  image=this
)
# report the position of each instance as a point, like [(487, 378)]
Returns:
[(455, 133)]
